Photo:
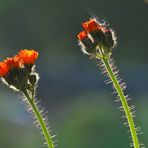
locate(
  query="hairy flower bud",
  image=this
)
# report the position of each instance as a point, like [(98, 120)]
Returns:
[(18, 70), (96, 34)]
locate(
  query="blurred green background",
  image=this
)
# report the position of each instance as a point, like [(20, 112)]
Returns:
[(81, 111)]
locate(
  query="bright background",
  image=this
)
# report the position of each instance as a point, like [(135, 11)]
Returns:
[(81, 111)]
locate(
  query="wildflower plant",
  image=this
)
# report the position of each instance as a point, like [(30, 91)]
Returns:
[(97, 41), (18, 72)]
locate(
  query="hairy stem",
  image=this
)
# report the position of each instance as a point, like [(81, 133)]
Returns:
[(40, 120), (122, 97)]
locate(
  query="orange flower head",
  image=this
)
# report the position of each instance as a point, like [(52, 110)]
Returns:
[(96, 33), (91, 25), (18, 71), (28, 56), (82, 35), (14, 62), (3, 69)]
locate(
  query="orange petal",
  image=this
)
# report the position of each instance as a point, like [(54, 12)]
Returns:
[(28, 56), (3, 69), (14, 62), (82, 35), (90, 26)]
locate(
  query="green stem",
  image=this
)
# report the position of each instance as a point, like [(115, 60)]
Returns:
[(40, 120), (123, 101)]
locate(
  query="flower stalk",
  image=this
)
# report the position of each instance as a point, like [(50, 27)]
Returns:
[(123, 100), (18, 72), (40, 119), (97, 40)]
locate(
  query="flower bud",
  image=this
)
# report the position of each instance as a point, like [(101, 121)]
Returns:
[(18, 70), (96, 34)]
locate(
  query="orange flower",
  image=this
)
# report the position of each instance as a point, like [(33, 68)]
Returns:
[(96, 33), (82, 35), (28, 56), (17, 71), (91, 25), (3, 69), (14, 62)]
